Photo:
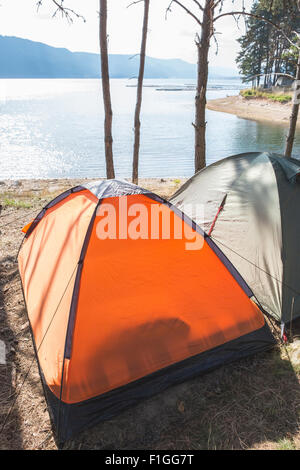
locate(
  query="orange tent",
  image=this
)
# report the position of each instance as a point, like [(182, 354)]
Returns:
[(123, 304)]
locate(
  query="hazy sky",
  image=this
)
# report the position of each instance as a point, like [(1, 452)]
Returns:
[(171, 38)]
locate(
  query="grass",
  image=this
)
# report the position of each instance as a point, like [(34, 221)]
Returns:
[(286, 444), (244, 405), (17, 204), (258, 94), (281, 367)]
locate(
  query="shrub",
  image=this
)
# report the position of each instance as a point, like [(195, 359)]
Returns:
[(254, 94)]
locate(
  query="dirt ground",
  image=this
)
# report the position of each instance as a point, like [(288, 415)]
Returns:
[(251, 404), (254, 109)]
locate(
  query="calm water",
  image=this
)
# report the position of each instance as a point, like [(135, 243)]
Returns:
[(54, 129)]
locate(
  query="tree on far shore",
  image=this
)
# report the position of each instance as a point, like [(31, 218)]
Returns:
[(272, 48), (265, 50), (204, 14)]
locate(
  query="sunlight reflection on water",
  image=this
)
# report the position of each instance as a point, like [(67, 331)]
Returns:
[(54, 129)]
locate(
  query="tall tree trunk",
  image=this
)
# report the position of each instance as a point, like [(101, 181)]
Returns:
[(108, 140), (266, 70), (202, 77), (294, 115), (137, 122)]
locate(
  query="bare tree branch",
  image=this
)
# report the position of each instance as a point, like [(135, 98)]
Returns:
[(168, 9), (216, 43), (217, 2), (133, 56), (248, 79), (261, 18), (200, 6), (66, 12), (134, 3), (197, 39), (184, 8)]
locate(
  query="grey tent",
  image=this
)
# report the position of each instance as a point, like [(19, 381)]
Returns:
[(251, 208)]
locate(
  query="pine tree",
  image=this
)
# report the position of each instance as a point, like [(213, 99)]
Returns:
[(265, 49)]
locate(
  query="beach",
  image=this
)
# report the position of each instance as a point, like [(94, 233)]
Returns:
[(35, 189), (254, 109)]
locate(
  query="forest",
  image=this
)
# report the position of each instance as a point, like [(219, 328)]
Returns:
[(267, 51)]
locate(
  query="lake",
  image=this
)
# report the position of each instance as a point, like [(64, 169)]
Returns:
[(54, 128)]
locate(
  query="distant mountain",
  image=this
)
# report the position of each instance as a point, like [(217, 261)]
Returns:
[(224, 72), (22, 58)]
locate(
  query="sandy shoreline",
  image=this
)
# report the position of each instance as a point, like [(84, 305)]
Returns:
[(41, 189), (254, 109)]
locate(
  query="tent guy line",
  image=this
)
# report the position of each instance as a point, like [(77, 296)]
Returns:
[(207, 235), (17, 218), (37, 350), (258, 228), (255, 265)]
